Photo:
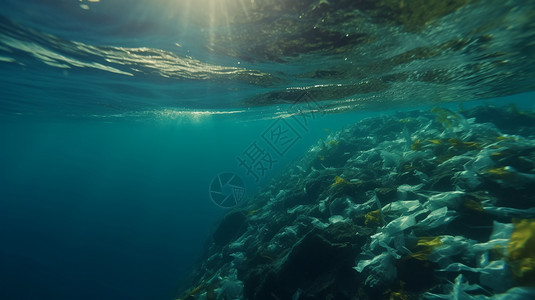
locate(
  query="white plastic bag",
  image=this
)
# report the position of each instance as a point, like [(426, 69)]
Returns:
[(451, 199), (381, 269)]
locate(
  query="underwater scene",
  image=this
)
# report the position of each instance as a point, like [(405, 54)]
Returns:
[(267, 149)]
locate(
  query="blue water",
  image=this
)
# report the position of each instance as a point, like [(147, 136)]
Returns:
[(116, 210), (101, 210), (116, 116)]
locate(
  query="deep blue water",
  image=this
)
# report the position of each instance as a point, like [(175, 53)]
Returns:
[(116, 210), (102, 210), (115, 117)]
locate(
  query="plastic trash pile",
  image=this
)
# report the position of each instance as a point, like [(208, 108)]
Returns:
[(416, 205)]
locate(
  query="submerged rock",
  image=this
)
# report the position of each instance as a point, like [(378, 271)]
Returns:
[(316, 266), (232, 225), (423, 205)]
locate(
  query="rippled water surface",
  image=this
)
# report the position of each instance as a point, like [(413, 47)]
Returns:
[(122, 58)]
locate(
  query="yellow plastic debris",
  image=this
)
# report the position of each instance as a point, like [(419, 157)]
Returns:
[(457, 143), (252, 212), (424, 247), (521, 251), (373, 218), (506, 137), (501, 172), (340, 181), (417, 145), (400, 295), (445, 116), (436, 142), (193, 291), (429, 242), (332, 143), (473, 205)]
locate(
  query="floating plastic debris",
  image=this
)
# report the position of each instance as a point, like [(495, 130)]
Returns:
[(425, 204)]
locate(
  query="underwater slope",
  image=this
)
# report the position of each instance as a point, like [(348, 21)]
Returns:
[(415, 205)]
